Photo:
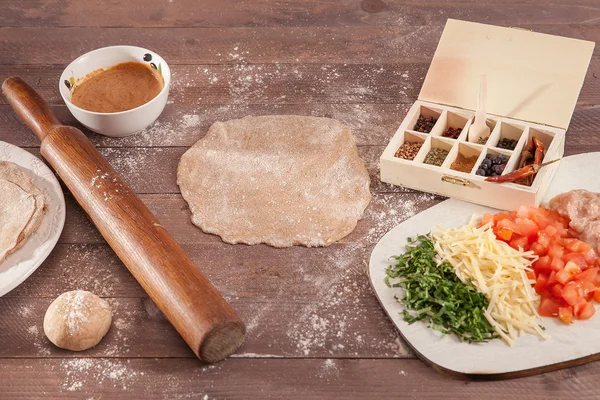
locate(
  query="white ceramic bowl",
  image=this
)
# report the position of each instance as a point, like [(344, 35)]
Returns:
[(122, 123)]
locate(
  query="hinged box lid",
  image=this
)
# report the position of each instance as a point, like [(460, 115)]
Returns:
[(531, 76)]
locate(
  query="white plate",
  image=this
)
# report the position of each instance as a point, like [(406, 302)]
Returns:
[(569, 345), (20, 264)]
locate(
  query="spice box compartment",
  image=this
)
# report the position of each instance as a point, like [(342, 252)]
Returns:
[(533, 81), (445, 180)]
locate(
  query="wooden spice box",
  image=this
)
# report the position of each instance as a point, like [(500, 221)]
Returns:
[(533, 84)]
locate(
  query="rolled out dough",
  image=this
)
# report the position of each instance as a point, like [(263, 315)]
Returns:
[(280, 180)]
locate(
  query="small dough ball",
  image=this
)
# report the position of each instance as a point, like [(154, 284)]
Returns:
[(77, 320)]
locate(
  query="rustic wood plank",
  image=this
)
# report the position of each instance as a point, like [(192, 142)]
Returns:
[(369, 45), (271, 379), (288, 330), (184, 124), (284, 83), (229, 13), (283, 45), (297, 302), (266, 83)]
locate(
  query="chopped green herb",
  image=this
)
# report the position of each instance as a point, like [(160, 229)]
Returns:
[(434, 293)]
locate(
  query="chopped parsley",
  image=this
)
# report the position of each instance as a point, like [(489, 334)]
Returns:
[(434, 293)]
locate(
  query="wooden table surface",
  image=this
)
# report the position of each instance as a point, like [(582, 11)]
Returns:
[(315, 329)]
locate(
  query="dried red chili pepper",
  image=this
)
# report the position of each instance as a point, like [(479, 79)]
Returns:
[(519, 173), (539, 150), (533, 154)]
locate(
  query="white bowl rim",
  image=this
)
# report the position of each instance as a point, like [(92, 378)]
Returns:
[(166, 85)]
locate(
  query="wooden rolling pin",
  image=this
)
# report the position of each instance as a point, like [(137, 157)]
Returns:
[(185, 296)]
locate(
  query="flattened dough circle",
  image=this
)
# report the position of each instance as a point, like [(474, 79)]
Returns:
[(280, 180), (22, 208)]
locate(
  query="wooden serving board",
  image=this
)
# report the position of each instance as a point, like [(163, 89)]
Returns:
[(569, 345)]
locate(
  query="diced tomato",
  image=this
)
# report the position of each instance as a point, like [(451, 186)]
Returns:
[(576, 258), (530, 275), (550, 230), (566, 273), (526, 227), (589, 275), (507, 224), (524, 212), (584, 247), (587, 311), (565, 314), (504, 234), (548, 307), (578, 308), (541, 283), (562, 231), (572, 268), (571, 244), (556, 291), (520, 243), (538, 249), (577, 246), (572, 293), (552, 279), (542, 264), (556, 250), (502, 215), (486, 219), (563, 276), (557, 264), (589, 289), (544, 239), (540, 221)]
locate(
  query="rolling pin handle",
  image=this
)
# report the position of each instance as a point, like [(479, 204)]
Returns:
[(30, 106)]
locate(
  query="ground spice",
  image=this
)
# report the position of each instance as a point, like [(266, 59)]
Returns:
[(464, 164), (425, 124), (408, 150), (436, 156), (452, 133)]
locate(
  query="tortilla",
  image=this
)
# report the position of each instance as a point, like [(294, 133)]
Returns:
[(21, 209), (16, 210)]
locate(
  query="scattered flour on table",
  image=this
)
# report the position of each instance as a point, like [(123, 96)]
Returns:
[(329, 369), (248, 82), (78, 372), (338, 323), (190, 121), (36, 336), (123, 326), (78, 269), (25, 311)]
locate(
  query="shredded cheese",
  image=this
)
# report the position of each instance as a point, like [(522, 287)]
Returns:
[(499, 272)]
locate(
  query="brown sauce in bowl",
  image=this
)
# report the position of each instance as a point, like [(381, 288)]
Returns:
[(119, 88)]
